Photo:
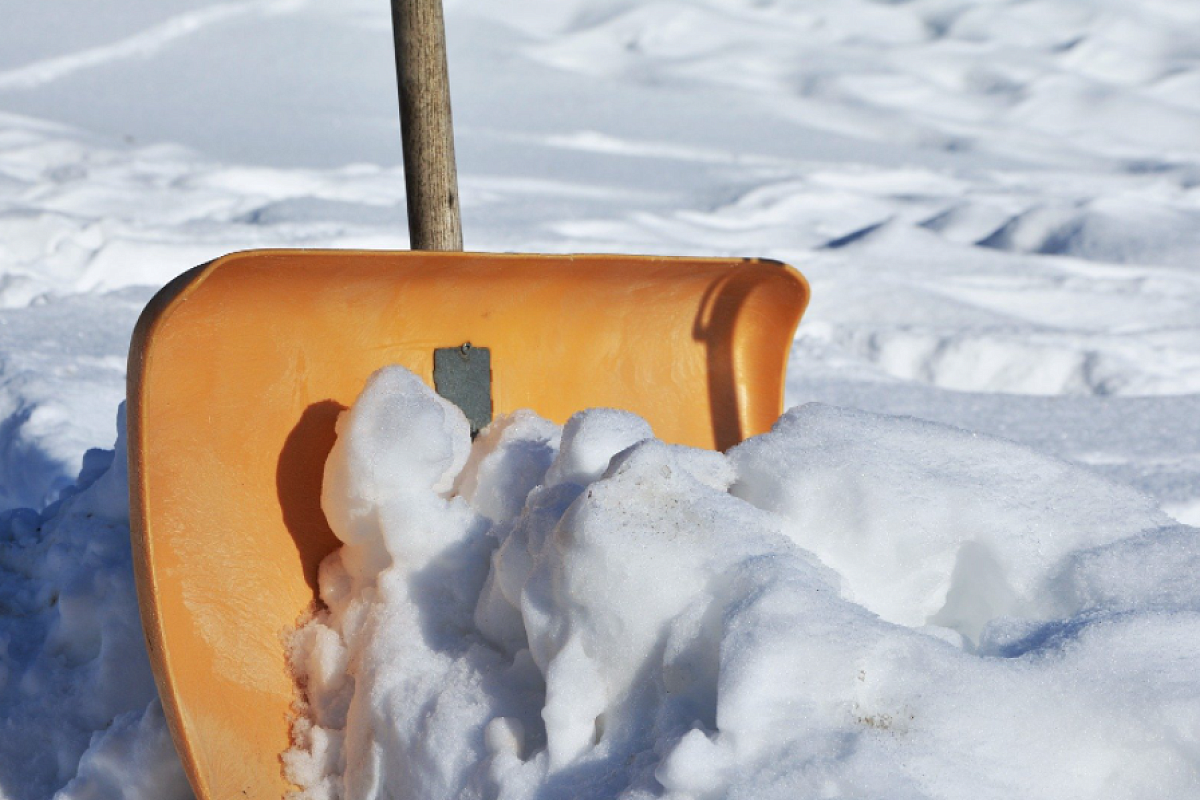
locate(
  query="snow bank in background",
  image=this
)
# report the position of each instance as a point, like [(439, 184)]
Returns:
[(988, 196), (851, 605), (79, 216), (79, 712)]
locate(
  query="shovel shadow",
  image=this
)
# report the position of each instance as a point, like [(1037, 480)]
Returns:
[(298, 478)]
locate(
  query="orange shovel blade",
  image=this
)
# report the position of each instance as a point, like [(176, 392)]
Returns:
[(238, 370)]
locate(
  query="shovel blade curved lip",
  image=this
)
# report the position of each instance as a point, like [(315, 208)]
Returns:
[(239, 368)]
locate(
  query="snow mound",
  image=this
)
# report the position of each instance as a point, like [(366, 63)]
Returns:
[(79, 713), (850, 605)]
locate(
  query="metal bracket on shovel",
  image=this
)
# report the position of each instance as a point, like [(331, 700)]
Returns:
[(463, 375)]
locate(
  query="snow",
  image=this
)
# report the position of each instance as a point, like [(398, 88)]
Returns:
[(79, 714), (994, 200), (850, 605)]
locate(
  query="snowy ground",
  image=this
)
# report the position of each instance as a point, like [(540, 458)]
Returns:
[(997, 203)]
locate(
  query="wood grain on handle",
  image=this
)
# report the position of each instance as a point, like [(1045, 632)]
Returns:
[(430, 175)]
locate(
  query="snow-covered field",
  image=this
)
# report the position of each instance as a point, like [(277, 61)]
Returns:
[(997, 203)]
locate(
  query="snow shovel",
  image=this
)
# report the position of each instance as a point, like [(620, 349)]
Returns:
[(239, 368)]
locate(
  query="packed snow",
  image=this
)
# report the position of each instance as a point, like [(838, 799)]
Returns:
[(852, 605), (996, 203)]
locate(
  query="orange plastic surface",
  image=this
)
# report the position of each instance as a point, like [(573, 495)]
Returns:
[(238, 370)]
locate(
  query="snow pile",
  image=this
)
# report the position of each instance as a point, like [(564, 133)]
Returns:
[(851, 605), (79, 713)]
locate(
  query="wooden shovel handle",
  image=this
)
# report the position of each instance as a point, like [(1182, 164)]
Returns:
[(430, 176)]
